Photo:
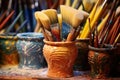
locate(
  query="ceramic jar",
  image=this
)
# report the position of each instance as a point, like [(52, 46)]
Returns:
[(8, 52), (81, 63), (60, 57), (29, 46), (101, 61)]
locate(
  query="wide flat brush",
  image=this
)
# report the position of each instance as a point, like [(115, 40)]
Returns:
[(54, 24), (72, 17)]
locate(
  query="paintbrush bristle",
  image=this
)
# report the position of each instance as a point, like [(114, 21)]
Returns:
[(52, 14), (44, 20), (71, 16)]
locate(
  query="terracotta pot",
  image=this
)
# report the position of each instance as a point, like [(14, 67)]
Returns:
[(8, 52), (60, 57), (81, 63), (29, 46), (101, 61)]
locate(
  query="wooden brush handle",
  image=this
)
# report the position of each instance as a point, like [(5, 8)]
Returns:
[(2, 16), (45, 35), (6, 20), (115, 33), (71, 35), (77, 32), (49, 35)]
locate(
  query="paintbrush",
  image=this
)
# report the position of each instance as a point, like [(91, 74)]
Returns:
[(20, 27), (72, 17), (54, 24), (46, 24), (2, 16), (40, 26), (68, 2), (94, 17), (14, 22), (6, 19), (55, 4), (116, 40), (115, 32)]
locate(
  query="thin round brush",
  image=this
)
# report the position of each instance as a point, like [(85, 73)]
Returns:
[(6, 19)]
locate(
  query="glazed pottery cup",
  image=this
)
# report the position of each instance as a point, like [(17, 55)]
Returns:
[(81, 63), (60, 57), (101, 61), (29, 46), (8, 52)]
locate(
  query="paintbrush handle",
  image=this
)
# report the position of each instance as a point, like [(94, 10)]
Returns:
[(3, 15), (45, 35), (49, 35), (116, 40), (71, 35), (115, 33), (77, 32), (6, 20)]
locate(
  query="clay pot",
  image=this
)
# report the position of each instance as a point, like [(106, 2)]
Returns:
[(29, 46), (81, 63), (8, 53), (118, 60), (60, 57), (101, 61)]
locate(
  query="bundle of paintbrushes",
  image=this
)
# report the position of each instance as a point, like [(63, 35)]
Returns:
[(50, 22), (104, 27)]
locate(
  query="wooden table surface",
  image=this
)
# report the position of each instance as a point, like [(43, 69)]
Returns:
[(40, 74)]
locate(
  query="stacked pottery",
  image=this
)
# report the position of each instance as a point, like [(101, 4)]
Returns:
[(8, 53), (29, 46)]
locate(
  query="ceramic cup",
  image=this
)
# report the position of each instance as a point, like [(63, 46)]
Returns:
[(101, 61), (29, 46), (60, 57), (8, 53), (81, 63)]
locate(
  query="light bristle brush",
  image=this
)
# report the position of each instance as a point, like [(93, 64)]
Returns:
[(39, 26), (54, 24), (46, 24), (72, 17)]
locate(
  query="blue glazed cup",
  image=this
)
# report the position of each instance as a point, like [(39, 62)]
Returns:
[(29, 46)]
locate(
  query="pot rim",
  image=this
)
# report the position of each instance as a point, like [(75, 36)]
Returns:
[(59, 43), (8, 36), (107, 48), (30, 35)]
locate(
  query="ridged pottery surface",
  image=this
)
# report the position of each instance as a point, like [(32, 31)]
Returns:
[(8, 52), (60, 57), (29, 46), (101, 61), (81, 63)]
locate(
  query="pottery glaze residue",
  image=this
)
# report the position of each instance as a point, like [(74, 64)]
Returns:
[(101, 61), (30, 47), (8, 53), (60, 57)]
